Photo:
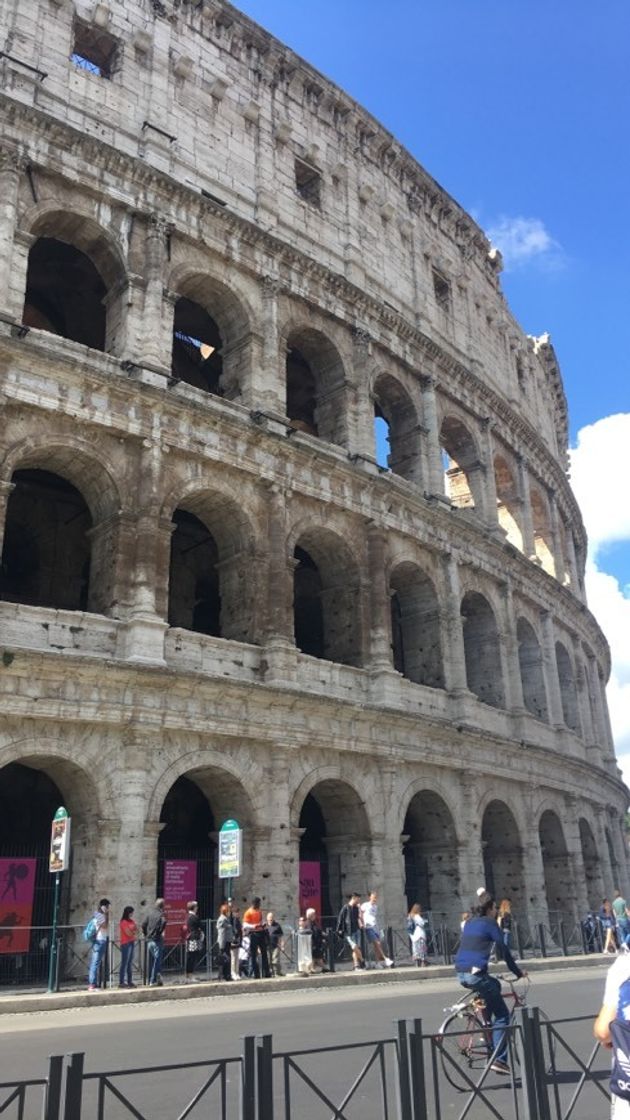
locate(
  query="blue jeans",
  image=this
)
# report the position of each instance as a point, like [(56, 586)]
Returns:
[(155, 949), (99, 950), (489, 988), (126, 962)]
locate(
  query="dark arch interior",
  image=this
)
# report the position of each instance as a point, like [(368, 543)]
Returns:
[(502, 854), (187, 835), (313, 844), (29, 800), (301, 392), (197, 343), (194, 590), (415, 625), (430, 855), (65, 293), (46, 549), (307, 605), (481, 648)]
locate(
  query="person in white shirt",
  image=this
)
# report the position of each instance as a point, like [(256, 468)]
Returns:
[(418, 934), (616, 1005), (369, 912)]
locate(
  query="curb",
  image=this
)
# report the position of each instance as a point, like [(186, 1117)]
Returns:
[(57, 1001)]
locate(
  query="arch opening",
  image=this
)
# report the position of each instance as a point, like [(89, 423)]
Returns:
[(531, 667), (503, 855), (337, 837), (195, 598), (46, 548), (394, 410), (461, 463), (316, 386), (197, 348), (416, 631), (430, 857), (508, 503), (326, 599), (559, 885), (65, 293), (568, 690), (543, 541), (484, 675)]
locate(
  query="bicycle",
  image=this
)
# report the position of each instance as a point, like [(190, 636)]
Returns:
[(465, 1037)]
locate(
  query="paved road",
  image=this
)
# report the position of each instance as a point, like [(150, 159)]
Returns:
[(124, 1037)]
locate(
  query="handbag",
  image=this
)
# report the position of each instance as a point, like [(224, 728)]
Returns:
[(195, 943)]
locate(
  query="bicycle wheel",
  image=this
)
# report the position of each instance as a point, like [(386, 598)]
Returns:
[(463, 1041)]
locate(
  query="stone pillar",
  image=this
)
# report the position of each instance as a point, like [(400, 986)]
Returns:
[(453, 649), (280, 648), (572, 560), (550, 669), (527, 523), (472, 874), (380, 631), (156, 336), (127, 886), (394, 903), (600, 749), (556, 538), (534, 875), (490, 501), (581, 687), (361, 439), (16, 281), (6, 489), (434, 471), (576, 858), (148, 882), (607, 870), (11, 167), (512, 677), (267, 387), (277, 848)]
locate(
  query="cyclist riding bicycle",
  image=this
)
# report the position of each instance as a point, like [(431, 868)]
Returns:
[(480, 936)]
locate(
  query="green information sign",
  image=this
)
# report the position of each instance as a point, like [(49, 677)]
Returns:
[(230, 841)]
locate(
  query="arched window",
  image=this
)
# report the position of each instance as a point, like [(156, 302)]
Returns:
[(481, 647), (326, 599), (315, 386), (568, 690), (543, 544), (531, 666), (416, 639), (430, 855), (197, 345), (394, 410), (503, 855), (65, 293), (46, 549), (559, 881), (461, 464), (507, 503)]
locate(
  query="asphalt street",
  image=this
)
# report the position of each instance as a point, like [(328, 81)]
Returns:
[(133, 1036)]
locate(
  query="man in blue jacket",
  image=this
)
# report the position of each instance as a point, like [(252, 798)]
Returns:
[(480, 935)]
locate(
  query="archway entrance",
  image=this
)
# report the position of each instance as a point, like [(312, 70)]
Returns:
[(559, 887), (430, 854), (187, 838), (336, 837), (503, 855)]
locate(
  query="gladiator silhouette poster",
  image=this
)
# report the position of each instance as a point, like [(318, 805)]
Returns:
[(17, 890)]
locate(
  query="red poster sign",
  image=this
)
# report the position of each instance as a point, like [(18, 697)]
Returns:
[(180, 887), (17, 889), (310, 886)]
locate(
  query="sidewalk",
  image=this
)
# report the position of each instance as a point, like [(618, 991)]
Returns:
[(16, 1001)]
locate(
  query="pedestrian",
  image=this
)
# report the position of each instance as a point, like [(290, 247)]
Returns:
[(304, 948), (128, 930), (416, 926), (480, 935), (225, 937), (621, 920), (607, 923), (318, 941), (194, 937), (612, 1029), (504, 921), (254, 927), (464, 918), (276, 943), (369, 916), (236, 943), (100, 942), (153, 928), (349, 927)]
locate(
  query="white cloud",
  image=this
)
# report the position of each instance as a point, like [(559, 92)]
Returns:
[(597, 463), (525, 240)]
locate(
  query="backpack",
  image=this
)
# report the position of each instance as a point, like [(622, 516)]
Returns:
[(90, 931), (620, 1072), (411, 925)]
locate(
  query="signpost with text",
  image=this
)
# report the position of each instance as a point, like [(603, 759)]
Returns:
[(230, 846), (59, 861)]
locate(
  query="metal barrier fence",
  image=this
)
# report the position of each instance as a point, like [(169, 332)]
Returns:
[(557, 1074)]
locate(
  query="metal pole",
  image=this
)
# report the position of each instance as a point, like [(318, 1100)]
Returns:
[(52, 1099), (403, 1083), (52, 959), (416, 1061), (74, 1087), (265, 1078), (248, 1079)]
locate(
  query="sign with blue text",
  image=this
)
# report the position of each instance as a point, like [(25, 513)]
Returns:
[(230, 839)]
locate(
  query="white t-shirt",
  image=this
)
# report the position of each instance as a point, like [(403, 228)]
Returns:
[(368, 913), (617, 994)]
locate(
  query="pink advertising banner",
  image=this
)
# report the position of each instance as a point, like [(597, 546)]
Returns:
[(310, 886), (180, 887), (17, 890)]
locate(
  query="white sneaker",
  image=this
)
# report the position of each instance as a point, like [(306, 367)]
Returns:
[(388, 962)]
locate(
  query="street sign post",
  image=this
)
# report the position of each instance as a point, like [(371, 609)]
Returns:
[(230, 847), (59, 860)]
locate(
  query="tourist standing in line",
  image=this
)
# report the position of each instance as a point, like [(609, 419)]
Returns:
[(416, 925), (153, 928), (195, 938), (253, 926), (225, 937), (128, 931), (276, 943), (236, 942), (100, 919), (504, 920), (621, 920), (318, 940), (349, 927), (369, 918), (607, 923)]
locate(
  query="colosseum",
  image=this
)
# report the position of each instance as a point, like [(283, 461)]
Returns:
[(224, 289)]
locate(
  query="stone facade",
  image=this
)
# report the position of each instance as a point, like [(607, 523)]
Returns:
[(217, 270)]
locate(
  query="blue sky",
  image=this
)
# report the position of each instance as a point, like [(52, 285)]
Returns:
[(521, 110)]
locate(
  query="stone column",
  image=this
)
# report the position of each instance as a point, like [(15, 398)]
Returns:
[(576, 858), (127, 886), (6, 489), (434, 474), (607, 870), (472, 874), (156, 336), (556, 538), (276, 848), (361, 439), (599, 730), (394, 903), (11, 296), (263, 376), (550, 669), (534, 875), (280, 648), (148, 882), (454, 655), (514, 689), (527, 523), (380, 629), (572, 559), (16, 282), (491, 514)]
